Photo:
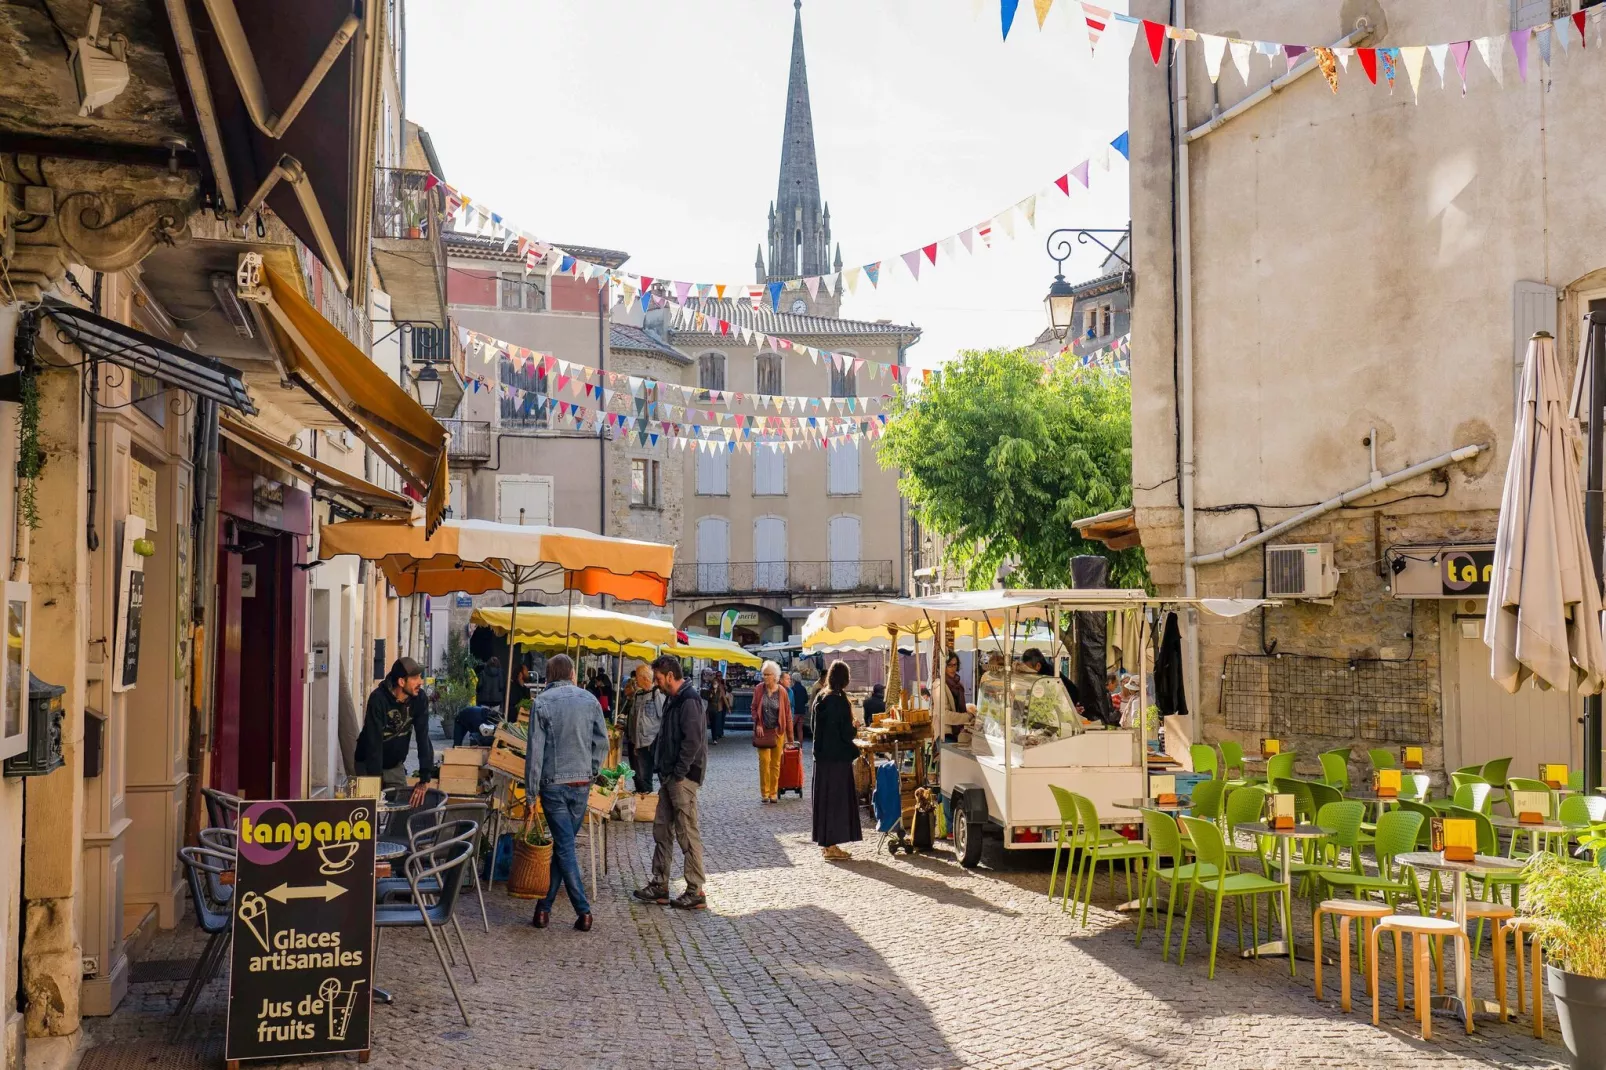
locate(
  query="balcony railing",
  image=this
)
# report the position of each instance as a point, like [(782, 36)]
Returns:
[(783, 577), (471, 440), (408, 220), (403, 208)]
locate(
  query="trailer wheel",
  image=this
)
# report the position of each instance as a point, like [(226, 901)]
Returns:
[(969, 835)]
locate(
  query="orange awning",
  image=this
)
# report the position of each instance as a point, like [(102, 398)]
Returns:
[(358, 392), (474, 556), (320, 473)]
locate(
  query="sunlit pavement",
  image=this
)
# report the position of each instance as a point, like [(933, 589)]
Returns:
[(883, 961)]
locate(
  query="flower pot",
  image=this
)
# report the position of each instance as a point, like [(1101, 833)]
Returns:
[(415, 232), (532, 870), (1581, 1012)]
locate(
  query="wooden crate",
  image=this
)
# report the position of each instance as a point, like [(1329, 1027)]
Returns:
[(507, 755), (475, 756), (459, 784)]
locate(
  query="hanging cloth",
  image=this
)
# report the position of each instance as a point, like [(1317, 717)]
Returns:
[(1168, 686)]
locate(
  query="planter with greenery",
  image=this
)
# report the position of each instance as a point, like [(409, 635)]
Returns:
[(454, 688), (1569, 899)]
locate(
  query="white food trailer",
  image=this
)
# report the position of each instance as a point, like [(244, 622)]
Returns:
[(1026, 734)]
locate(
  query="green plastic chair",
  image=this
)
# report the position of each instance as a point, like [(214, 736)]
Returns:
[(1520, 783), (1070, 837), (1382, 758), (1495, 770), (1244, 806), (1304, 801), (1575, 780), (1321, 794), (1166, 839), (1345, 751), (1204, 760), (1582, 810), (1470, 796), (1397, 833), (1211, 851), (1206, 799), (1335, 768), (1461, 776), (1424, 835), (1475, 770), (1416, 786), (1280, 766), (1232, 757), (1094, 852)]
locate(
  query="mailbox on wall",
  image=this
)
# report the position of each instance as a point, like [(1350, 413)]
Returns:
[(44, 731)]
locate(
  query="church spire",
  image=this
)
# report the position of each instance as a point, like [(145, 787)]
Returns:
[(800, 229)]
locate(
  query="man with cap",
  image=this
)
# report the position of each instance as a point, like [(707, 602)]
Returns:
[(397, 711)]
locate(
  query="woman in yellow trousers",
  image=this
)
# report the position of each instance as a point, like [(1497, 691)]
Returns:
[(772, 727)]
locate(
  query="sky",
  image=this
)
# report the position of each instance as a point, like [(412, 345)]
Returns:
[(655, 128)]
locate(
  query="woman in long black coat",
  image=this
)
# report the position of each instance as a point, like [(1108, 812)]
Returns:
[(836, 803)]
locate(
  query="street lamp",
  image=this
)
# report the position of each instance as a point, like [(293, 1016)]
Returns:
[(427, 385), (1061, 300), (1061, 304)]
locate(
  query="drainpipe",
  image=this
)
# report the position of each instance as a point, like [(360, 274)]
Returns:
[(602, 428), (1376, 483), (1184, 327)]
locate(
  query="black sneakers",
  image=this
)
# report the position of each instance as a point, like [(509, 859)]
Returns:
[(690, 900), (653, 893)]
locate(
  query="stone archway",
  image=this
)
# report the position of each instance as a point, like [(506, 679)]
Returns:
[(753, 625)]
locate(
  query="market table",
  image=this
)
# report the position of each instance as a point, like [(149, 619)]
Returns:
[(1548, 827), (1457, 1004), (1285, 844)]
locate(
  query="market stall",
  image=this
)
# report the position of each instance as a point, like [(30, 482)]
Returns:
[(1025, 733)]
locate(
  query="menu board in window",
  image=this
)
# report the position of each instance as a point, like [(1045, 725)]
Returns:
[(130, 608)]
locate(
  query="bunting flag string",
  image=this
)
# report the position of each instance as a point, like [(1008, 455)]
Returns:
[(472, 216), (1116, 356), (818, 433), (598, 382), (1099, 23)]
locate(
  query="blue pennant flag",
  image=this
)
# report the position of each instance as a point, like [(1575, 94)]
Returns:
[(1006, 11), (1120, 145), (775, 296)]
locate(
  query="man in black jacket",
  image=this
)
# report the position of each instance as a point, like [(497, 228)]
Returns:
[(394, 716), (681, 757)]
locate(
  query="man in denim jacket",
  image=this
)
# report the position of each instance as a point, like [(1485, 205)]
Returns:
[(568, 743)]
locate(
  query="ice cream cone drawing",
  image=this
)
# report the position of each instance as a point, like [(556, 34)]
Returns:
[(339, 1001), (254, 913)]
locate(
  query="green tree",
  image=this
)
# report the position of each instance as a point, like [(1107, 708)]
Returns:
[(1000, 455)]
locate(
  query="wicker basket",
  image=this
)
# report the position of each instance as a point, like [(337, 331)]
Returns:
[(531, 873), (646, 807)]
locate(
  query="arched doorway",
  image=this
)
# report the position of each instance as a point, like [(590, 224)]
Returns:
[(750, 626)]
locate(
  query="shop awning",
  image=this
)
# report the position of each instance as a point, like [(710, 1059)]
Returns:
[(357, 392), (320, 474), (103, 339), (590, 625), (1117, 529)]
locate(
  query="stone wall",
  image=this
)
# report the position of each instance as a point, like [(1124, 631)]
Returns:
[(664, 522), (1384, 652)]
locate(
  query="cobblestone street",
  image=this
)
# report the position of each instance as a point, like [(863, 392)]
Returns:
[(905, 962)]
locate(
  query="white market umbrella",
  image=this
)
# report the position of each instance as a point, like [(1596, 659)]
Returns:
[(1543, 619)]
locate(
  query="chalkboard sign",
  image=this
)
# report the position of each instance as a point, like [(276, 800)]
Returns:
[(133, 612), (301, 968)]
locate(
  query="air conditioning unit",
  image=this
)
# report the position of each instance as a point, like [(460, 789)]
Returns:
[(1301, 570)]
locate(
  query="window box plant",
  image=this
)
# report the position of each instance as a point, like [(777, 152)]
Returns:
[(1569, 899)]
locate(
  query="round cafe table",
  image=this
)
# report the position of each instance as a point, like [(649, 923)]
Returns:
[(1547, 827), (1457, 1004), (1180, 806), (1285, 853)]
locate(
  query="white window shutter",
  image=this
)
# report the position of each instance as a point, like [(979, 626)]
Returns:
[(713, 472), (842, 468), (842, 543), (769, 553), (1533, 309), (713, 553), (769, 470)]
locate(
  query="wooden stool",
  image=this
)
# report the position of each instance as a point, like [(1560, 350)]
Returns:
[(1423, 929), (1366, 913), (1518, 927), (1497, 914)]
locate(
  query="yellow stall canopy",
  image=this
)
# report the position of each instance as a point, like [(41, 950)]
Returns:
[(712, 648), (596, 629), (356, 391), (475, 556)]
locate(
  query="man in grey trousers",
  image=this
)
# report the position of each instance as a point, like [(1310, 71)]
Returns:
[(681, 757)]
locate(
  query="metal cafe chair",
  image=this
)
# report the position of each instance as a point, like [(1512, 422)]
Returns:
[(387, 889), (222, 809), (478, 813), (442, 864), (203, 870)]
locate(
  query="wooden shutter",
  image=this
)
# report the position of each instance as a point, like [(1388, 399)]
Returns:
[(769, 553), (1533, 309), (713, 472)]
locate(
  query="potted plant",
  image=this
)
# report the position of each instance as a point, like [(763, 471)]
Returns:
[(531, 874), (1569, 899)]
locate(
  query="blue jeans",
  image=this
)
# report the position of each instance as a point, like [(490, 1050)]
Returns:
[(565, 806)]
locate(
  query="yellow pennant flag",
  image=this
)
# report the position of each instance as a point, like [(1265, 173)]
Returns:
[(1042, 10)]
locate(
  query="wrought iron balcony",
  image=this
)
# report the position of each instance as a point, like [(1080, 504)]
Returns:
[(471, 440), (408, 219), (783, 577)]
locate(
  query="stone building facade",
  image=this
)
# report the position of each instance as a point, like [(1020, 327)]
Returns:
[(1362, 313)]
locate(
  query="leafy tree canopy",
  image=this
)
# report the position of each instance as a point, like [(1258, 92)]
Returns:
[(1000, 457)]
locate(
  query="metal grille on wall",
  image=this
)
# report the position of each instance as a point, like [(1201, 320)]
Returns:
[(1282, 695)]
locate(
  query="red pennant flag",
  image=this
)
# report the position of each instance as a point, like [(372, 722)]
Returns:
[(1578, 21), (1155, 32), (1064, 183), (931, 252), (724, 327), (646, 283), (1368, 62), (430, 181)]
